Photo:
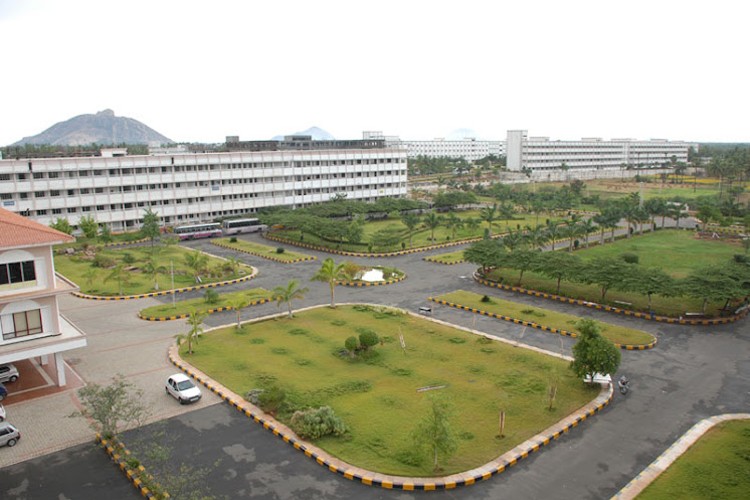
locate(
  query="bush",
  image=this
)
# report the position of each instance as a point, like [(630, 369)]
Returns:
[(351, 344), (103, 261), (368, 338), (211, 296), (233, 239), (280, 250), (128, 258), (485, 299), (316, 423), (271, 399), (741, 258), (630, 258)]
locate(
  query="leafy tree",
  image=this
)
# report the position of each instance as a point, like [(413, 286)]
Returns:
[(386, 238), (354, 231), (606, 272), (330, 273), (368, 338), (195, 321), (351, 345), (62, 225), (435, 433), (286, 294), (111, 406), (150, 227), (487, 253), (649, 282), (89, 227), (557, 265), (105, 233), (593, 353), (718, 283), (522, 260)]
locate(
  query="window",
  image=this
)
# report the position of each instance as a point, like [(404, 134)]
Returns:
[(17, 272), (25, 323)]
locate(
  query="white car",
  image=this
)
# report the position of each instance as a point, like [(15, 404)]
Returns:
[(8, 373), (182, 388), (2, 413)]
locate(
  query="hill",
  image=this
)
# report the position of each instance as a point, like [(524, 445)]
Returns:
[(101, 128), (318, 134)]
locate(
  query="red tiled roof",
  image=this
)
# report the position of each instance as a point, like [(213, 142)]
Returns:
[(16, 231)]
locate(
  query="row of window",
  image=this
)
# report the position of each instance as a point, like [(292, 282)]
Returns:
[(24, 323), (17, 272)]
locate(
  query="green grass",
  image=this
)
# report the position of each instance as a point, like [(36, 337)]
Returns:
[(545, 317), (200, 304), (675, 252), (378, 398), (717, 466), (75, 267), (263, 250), (448, 258)]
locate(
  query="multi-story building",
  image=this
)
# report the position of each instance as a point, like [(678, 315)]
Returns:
[(115, 188), (537, 154), (469, 149), (30, 323)]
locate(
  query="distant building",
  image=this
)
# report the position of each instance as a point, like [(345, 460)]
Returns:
[(537, 154), (30, 322), (469, 149), (241, 178)]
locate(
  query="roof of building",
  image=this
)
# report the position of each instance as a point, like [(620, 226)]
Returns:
[(18, 231)]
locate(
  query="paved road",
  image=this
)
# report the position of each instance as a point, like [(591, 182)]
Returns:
[(694, 372)]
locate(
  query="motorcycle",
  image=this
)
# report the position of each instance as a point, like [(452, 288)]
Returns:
[(624, 385)]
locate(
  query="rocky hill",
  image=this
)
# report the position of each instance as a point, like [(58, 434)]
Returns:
[(318, 134), (102, 128)]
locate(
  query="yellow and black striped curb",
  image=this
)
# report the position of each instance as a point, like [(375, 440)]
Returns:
[(165, 292), (629, 347), (263, 256), (616, 310), (321, 248), (122, 464), (358, 284), (434, 260), (208, 311), (482, 473), (671, 454)]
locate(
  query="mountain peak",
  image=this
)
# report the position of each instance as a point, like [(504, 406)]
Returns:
[(106, 112)]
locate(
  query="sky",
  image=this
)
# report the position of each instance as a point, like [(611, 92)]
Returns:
[(197, 71)]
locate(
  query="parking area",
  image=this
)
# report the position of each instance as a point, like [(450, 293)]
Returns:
[(36, 380)]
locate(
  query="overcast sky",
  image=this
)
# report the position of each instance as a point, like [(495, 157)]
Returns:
[(202, 70)]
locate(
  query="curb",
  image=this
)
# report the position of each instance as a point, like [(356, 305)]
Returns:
[(628, 347), (117, 459), (671, 454), (208, 311), (166, 292), (360, 284), (258, 254), (481, 473), (611, 309)]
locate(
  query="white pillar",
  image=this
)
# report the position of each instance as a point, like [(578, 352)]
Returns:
[(44, 360), (60, 365)]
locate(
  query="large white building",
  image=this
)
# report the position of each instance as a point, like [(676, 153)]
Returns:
[(115, 189), (470, 149), (538, 154)]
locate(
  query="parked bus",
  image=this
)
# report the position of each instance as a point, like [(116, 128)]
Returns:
[(193, 231), (235, 226)]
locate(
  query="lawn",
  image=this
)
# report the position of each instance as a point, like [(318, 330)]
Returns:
[(447, 258), (264, 251), (200, 304), (379, 399), (95, 280), (676, 252), (545, 317), (717, 466)]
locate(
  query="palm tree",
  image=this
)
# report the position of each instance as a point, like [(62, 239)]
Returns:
[(453, 223), (536, 236), (195, 321), (488, 214), (197, 261), (237, 304), (587, 227), (286, 294), (432, 221), (473, 223), (153, 271), (90, 275), (119, 274), (330, 273), (411, 221), (553, 232)]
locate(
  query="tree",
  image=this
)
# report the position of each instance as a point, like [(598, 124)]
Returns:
[(120, 275), (453, 223), (238, 303), (89, 227), (195, 321), (487, 253), (111, 406), (606, 272), (557, 265), (330, 273), (153, 271), (649, 282), (105, 233), (488, 215), (197, 261), (522, 260), (286, 294), (411, 221), (150, 227), (718, 283), (593, 353), (432, 221), (62, 225), (368, 338), (435, 433)]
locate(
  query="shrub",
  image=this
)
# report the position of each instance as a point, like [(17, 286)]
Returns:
[(741, 258), (103, 261), (630, 258), (486, 299), (271, 399), (280, 250), (368, 338), (316, 423), (233, 239), (211, 296), (351, 344)]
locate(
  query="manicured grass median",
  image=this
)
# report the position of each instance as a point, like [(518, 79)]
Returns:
[(200, 304), (717, 466), (378, 398), (264, 251), (447, 258), (545, 317)]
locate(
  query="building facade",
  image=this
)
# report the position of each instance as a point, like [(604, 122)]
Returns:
[(539, 154), (116, 189), (30, 322), (469, 149)]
